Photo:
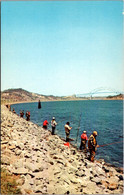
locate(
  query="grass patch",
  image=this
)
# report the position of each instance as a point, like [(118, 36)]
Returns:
[(8, 183)]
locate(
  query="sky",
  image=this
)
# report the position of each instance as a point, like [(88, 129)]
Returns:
[(62, 47)]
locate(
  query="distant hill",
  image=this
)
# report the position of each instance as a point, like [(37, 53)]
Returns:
[(21, 95)]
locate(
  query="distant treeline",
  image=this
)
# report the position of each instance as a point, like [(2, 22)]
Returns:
[(116, 96)]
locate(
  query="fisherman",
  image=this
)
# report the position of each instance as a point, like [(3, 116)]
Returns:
[(14, 111), (9, 106), (92, 146), (27, 116), (67, 131), (53, 124), (83, 141), (45, 123), (21, 113)]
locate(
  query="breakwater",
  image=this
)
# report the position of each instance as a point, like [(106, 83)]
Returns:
[(47, 166)]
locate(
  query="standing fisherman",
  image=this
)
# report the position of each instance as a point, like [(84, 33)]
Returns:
[(27, 116), (53, 124), (83, 141), (21, 113), (92, 146), (67, 131)]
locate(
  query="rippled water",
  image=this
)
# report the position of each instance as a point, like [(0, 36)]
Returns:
[(106, 117)]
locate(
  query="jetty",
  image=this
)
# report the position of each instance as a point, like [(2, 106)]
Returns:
[(46, 166)]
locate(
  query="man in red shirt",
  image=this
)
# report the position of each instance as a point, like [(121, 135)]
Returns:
[(45, 123), (83, 141)]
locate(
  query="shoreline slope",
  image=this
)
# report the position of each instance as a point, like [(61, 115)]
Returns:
[(46, 166)]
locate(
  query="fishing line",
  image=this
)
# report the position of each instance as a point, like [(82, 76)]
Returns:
[(78, 128), (110, 144)]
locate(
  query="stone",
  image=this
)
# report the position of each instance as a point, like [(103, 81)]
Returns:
[(104, 183), (38, 175), (5, 160), (72, 169), (80, 173), (112, 186), (60, 189), (18, 164), (18, 152), (51, 189), (21, 171), (113, 179), (4, 142), (100, 171), (12, 147), (20, 181), (90, 188), (20, 146), (121, 177), (28, 155), (10, 124), (96, 180)]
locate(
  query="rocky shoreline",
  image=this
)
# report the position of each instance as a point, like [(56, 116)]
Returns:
[(46, 166)]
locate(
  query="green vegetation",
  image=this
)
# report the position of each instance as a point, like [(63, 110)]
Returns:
[(8, 183)]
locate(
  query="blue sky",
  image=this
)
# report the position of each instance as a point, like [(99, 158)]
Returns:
[(61, 47)]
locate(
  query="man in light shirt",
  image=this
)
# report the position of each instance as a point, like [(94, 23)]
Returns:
[(53, 124), (67, 131)]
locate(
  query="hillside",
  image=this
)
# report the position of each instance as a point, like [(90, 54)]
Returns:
[(21, 95), (18, 95)]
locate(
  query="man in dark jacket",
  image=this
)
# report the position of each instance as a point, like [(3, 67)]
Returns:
[(92, 146)]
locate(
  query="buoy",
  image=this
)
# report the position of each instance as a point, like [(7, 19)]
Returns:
[(39, 104)]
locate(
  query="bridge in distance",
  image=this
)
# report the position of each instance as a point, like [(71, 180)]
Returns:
[(100, 92)]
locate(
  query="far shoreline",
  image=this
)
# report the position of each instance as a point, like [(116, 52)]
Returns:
[(21, 102)]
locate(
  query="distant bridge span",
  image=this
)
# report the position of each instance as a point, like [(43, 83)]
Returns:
[(100, 91)]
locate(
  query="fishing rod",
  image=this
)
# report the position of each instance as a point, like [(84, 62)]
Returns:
[(63, 120), (78, 128), (110, 144)]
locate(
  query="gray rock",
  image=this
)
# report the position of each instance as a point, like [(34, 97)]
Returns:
[(38, 175), (4, 142), (21, 171), (5, 160), (121, 177), (100, 171), (20, 146), (80, 173), (90, 188), (38, 189), (28, 155), (72, 169), (96, 180), (18, 163), (18, 152)]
